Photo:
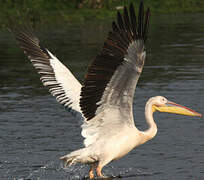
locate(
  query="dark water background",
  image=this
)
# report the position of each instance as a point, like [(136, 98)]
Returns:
[(35, 130)]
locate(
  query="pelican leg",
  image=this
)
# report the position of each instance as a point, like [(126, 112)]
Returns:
[(91, 171), (98, 171)]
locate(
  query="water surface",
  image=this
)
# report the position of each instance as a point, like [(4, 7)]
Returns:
[(35, 130)]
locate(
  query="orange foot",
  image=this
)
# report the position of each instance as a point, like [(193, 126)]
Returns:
[(98, 172), (91, 172)]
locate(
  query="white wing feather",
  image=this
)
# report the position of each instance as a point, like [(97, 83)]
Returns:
[(68, 82)]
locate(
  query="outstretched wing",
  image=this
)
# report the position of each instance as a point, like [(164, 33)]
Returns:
[(54, 75), (112, 77), (107, 94)]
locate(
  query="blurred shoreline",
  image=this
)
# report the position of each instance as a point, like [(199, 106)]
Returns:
[(48, 12)]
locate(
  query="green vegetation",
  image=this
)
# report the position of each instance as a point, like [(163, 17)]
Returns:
[(47, 11)]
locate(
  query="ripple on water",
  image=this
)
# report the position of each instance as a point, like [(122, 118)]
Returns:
[(35, 131)]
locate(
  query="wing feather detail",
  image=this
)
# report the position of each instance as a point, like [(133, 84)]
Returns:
[(53, 74), (116, 69)]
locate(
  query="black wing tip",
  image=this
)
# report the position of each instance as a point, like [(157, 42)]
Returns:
[(146, 26), (44, 49), (141, 3), (21, 28), (114, 26), (125, 10), (131, 7), (139, 25), (24, 34), (22, 31)]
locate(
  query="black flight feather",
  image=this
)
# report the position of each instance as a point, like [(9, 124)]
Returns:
[(124, 33)]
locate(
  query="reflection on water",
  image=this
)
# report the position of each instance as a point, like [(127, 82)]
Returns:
[(35, 131)]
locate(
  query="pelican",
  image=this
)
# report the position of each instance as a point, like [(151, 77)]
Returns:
[(105, 99)]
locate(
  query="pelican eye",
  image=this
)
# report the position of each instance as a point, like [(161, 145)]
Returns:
[(163, 100)]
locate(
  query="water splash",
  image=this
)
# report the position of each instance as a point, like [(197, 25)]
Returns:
[(76, 172)]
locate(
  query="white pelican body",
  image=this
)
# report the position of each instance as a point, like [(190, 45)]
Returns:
[(106, 147), (104, 101)]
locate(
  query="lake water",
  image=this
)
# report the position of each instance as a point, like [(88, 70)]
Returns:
[(35, 130)]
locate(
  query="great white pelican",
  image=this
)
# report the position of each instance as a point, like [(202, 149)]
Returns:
[(105, 99)]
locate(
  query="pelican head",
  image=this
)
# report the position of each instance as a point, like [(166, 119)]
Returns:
[(161, 104)]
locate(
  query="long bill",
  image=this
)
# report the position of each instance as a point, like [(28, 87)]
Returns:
[(171, 107)]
